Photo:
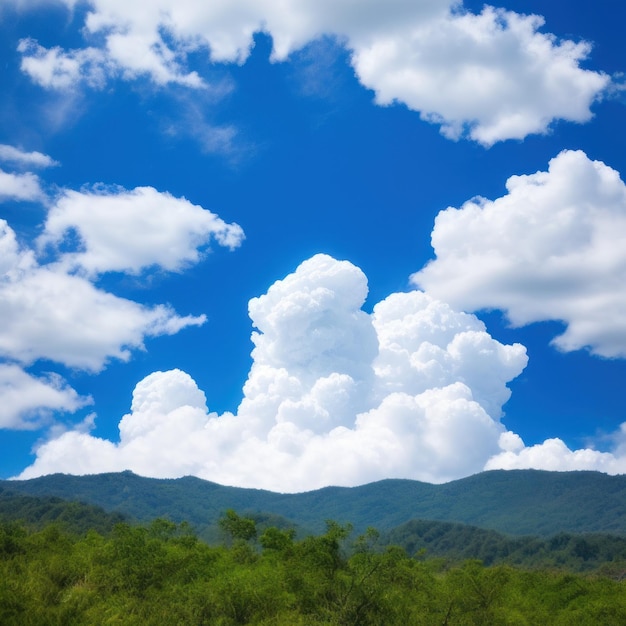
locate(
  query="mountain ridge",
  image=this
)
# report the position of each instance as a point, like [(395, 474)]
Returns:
[(515, 502)]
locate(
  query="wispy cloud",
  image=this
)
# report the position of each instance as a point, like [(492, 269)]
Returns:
[(14, 155), (30, 402)]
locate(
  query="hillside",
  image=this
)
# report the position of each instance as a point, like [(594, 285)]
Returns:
[(455, 543), (38, 511), (519, 502)]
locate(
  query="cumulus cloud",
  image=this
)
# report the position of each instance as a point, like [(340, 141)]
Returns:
[(128, 231), (49, 305), (53, 315), (48, 313), (552, 248), (491, 76), (334, 396), (554, 455), (27, 401), (14, 259)]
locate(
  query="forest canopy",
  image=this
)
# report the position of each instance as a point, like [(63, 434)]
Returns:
[(163, 574)]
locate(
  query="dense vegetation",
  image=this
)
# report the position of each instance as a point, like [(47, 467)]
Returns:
[(162, 574), (70, 563), (37, 512), (453, 543), (458, 542), (518, 502)]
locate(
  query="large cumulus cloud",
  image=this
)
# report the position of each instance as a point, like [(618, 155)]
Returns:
[(552, 248), (334, 396), (490, 76)]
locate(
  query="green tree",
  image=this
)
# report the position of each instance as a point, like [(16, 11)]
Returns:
[(237, 527)]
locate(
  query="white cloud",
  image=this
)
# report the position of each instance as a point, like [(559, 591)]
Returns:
[(492, 76), (27, 401), (53, 315), (311, 322), (55, 68), (51, 311), (14, 155), (552, 248), (23, 187), (140, 53), (13, 259), (76, 449), (554, 455), (128, 231), (320, 406), (424, 344)]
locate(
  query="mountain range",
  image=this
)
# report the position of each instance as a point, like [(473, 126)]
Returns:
[(516, 502)]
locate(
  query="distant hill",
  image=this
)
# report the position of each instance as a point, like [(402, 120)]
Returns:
[(36, 512), (516, 502), (457, 542)]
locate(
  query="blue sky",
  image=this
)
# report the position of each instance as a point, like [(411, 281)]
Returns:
[(176, 178)]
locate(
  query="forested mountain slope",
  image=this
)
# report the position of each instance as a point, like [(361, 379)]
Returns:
[(455, 543), (519, 502), (36, 512)]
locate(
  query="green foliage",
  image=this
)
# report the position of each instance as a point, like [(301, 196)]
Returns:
[(236, 527), (161, 574), (277, 540), (452, 542)]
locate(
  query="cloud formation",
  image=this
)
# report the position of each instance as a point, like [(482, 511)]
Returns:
[(20, 187), (26, 186), (490, 76), (28, 402), (334, 396), (50, 306), (552, 248), (16, 156), (129, 231), (56, 69), (554, 455), (50, 314)]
